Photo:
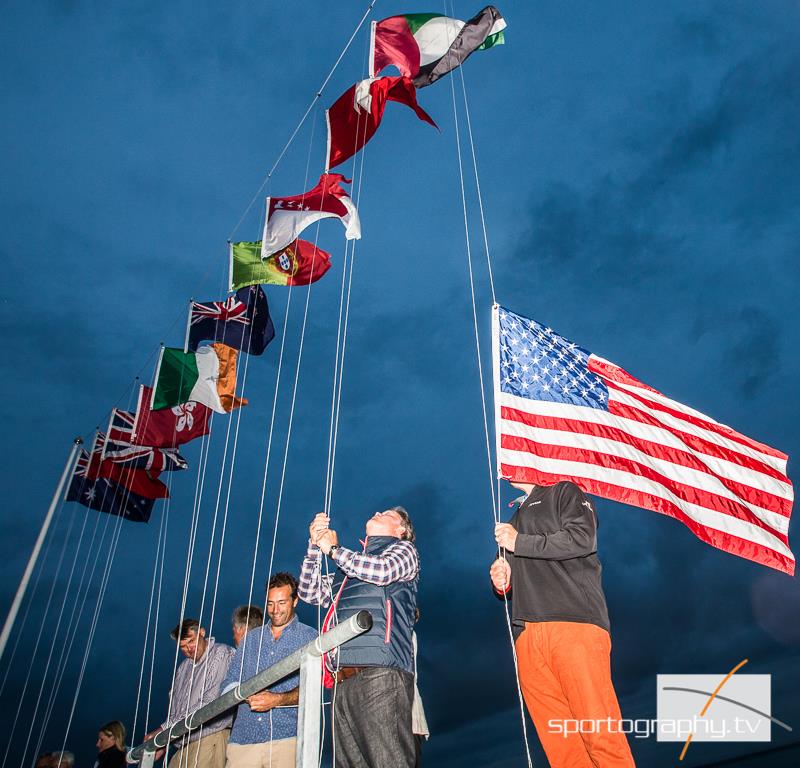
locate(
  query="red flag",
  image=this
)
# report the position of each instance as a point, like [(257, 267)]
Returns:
[(138, 481), (302, 262), (168, 427), (357, 113), (287, 217)]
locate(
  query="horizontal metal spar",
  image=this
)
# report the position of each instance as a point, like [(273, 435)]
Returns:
[(347, 630)]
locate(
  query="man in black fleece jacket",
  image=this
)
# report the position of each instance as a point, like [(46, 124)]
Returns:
[(553, 575)]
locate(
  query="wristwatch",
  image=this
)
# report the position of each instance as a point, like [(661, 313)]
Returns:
[(332, 550)]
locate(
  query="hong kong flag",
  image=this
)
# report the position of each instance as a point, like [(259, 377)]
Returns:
[(287, 217), (357, 113), (167, 427)]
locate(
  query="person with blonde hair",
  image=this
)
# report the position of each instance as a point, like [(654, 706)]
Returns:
[(111, 746)]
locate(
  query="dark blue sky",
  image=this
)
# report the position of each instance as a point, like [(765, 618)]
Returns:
[(639, 164)]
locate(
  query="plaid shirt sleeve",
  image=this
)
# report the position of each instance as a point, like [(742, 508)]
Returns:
[(398, 562), (313, 587)]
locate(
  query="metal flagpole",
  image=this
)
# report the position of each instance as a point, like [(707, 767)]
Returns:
[(188, 327), (23, 585)]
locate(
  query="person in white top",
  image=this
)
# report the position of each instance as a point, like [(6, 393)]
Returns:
[(419, 723)]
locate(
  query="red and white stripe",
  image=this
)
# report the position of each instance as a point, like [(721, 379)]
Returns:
[(649, 451)]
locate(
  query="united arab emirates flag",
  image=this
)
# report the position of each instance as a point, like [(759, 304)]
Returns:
[(207, 376), (300, 263), (426, 46)]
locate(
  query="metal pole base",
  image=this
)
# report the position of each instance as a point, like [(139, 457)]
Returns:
[(308, 727)]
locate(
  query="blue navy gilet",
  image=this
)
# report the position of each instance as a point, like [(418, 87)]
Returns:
[(393, 608)]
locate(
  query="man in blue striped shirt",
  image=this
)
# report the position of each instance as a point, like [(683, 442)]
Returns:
[(264, 733)]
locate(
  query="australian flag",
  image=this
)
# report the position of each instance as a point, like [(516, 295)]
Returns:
[(105, 495), (242, 321)]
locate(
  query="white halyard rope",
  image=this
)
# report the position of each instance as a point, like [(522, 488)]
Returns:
[(495, 496)]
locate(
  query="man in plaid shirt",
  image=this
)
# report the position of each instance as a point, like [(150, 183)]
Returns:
[(375, 673)]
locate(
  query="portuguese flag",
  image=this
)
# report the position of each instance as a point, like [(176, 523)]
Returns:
[(426, 46), (207, 376), (300, 263)]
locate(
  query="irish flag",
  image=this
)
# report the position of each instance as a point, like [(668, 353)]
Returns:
[(207, 376), (426, 46)]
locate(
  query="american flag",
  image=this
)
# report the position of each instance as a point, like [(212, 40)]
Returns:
[(563, 413)]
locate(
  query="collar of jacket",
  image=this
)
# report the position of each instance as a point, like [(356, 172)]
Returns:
[(374, 543)]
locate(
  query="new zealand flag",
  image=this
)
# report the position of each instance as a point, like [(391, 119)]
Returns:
[(105, 495), (242, 321)]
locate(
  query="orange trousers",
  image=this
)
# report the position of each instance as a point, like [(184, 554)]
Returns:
[(565, 676)]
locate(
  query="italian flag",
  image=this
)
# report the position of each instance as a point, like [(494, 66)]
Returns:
[(426, 46), (207, 376)]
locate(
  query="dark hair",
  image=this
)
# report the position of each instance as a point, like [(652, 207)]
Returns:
[(250, 616), (283, 579), (181, 631), (409, 535)]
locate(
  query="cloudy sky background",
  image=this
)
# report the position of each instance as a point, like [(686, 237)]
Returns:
[(639, 166)]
